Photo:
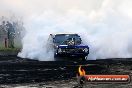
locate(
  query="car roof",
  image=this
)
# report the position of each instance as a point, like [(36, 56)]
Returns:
[(63, 34), (53, 35)]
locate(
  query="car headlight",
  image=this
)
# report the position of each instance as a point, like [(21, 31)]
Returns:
[(85, 50), (59, 50)]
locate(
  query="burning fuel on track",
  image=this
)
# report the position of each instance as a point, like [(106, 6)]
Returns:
[(104, 25)]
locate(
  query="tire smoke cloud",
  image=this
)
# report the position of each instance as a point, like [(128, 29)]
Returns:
[(104, 25)]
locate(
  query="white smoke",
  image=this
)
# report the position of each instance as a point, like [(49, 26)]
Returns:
[(105, 25)]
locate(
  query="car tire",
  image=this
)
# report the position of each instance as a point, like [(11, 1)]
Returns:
[(84, 58)]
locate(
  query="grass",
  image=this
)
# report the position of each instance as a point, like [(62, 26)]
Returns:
[(9, 49)]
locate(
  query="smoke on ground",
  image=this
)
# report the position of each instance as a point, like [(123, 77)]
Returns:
[(105, 25)]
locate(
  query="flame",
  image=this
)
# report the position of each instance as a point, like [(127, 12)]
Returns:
[(81, 71)]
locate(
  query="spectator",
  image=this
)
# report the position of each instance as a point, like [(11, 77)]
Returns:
[(3, 27), (10, 34)]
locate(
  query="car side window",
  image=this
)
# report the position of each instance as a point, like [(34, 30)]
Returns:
[(78, 40)]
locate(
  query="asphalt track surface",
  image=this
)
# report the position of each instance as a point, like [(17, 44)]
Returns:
[(15, 70)]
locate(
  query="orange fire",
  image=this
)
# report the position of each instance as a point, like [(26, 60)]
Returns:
[(81, 71)]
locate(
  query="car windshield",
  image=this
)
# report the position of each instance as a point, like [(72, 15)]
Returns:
[(61, 39)]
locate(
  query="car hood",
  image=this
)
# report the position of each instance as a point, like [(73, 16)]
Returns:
[(73, 46)]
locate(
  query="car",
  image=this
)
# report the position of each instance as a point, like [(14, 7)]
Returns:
[(68, 45)]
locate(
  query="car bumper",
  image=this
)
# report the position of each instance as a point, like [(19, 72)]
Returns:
[(72, 54)]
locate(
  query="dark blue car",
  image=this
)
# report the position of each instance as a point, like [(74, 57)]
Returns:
[(68, 45)]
